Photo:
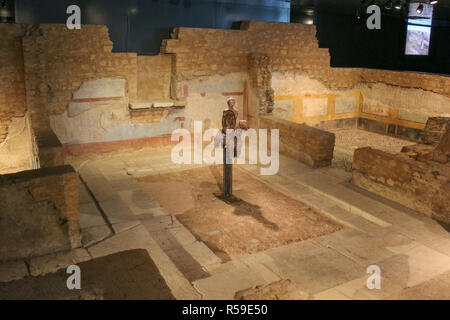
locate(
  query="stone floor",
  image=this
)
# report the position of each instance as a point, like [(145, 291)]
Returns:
[(348, 140), (412, 250)]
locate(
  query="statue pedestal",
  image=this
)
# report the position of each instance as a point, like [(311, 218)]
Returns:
[(227, 175)]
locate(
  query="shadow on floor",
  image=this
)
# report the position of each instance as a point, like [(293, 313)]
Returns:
[(127, 275)]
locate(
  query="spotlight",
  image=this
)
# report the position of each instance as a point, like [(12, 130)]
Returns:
[(388, 5), (433, 2), (358, 14), (419, 9), (398, 5)]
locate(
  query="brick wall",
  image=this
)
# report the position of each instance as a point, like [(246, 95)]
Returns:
[(58, 61), (207, 52), (202, 65), (294, 52), (422, 186), (154, 76), (202, 52), (12, 83), (299, 141), (15, 136), (428, 82)]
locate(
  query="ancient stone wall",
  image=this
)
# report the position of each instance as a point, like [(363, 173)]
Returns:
[(427, 82), (82, 92), (302, 142), (15, 135), (38, 212), (58, 61), (422, 186), (154, 76), (12, 83), (400, 101)]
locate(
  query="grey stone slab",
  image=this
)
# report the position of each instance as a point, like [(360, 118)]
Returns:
[(199, 252), (358, 246), (225, 267), (84, 196), (124, 184), (53, 262), (330, 294), (159, 223), (89, 172), (223, 286), (441, 245), (313, 268), (92, 235), (416, 264), (357, 289), (101, 189), (257, 263), (124, 226), (170, 238), (437, 288), (138, 201), (116, 211), (90, 216), (139, 238)]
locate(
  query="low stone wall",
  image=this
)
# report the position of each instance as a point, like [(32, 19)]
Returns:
[(38, 212), (421, 186), (309, 145)]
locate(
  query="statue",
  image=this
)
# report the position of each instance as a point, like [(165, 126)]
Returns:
[(229, 120)]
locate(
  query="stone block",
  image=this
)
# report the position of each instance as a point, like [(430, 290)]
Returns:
[(38, 212)]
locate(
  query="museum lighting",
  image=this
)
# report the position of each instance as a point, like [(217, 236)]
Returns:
[(419, 9), (5, 13), (398, 5)]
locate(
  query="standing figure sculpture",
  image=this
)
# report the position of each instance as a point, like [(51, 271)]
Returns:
[(229, 120)]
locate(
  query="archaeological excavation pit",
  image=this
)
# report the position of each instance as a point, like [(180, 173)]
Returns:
[(348, 140), (258, 218), (106, 129)]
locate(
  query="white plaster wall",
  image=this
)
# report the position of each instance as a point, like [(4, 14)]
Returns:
[(16, 150), (89, 120), (108, 121), (209, 108), (408, 100)]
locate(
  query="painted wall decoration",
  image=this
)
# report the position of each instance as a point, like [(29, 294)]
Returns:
[(308, 108), (100, 112)]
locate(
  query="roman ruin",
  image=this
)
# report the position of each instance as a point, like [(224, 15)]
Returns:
[(87, 177)]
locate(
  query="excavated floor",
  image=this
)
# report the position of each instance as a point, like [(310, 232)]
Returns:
[(257, 218), (348, 140)]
